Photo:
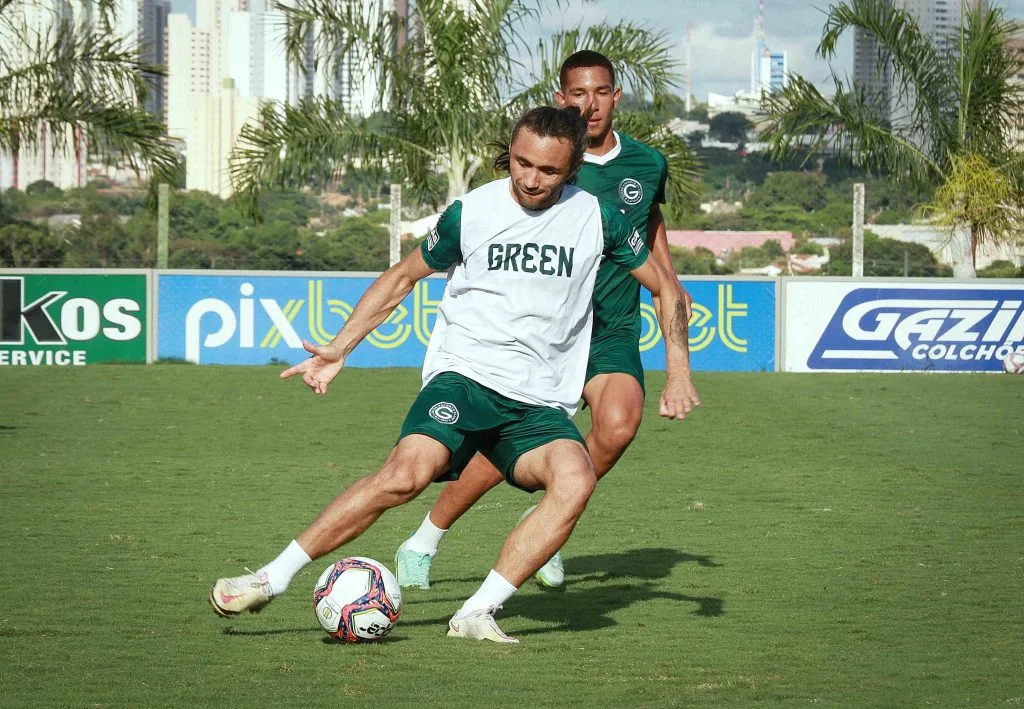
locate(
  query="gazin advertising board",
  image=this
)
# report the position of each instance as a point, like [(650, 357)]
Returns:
[(899, 326)]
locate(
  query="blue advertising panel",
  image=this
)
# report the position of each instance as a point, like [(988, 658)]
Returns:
[(257, 319), (261, 319), (732, 328)]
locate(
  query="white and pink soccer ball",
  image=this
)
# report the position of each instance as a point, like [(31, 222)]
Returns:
[(1014, 363), (357, 600)]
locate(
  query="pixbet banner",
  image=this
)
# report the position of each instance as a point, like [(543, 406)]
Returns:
[(262, 319), (901, 326), (732, 327), (60, 318)]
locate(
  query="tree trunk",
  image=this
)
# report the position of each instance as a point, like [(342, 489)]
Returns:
[(459, 176), (963, 247), (395, 240)]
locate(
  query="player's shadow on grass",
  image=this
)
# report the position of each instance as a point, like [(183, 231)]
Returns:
[(231, 630), (591, 608), (655, 563), (598, 585), (650, 564)]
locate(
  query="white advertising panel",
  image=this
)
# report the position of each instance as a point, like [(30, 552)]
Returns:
[(900, 326)]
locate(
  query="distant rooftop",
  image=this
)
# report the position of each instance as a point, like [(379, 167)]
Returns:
[(723, 243)]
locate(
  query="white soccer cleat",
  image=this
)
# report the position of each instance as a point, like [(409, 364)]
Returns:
[(552, 574), (479, 625), (238, 594)]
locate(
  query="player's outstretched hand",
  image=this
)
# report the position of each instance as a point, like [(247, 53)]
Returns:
[(320, 369), (679, 398)]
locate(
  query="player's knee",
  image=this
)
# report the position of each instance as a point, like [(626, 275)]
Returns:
[(403, 480), (573, 487), (615, 429)]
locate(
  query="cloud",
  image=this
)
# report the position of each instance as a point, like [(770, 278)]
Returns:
[(577, 14)]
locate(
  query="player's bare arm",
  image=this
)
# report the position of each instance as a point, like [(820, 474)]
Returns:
[(660, 251), (680, 396), (377, 303)]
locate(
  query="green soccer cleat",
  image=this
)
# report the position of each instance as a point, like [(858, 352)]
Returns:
[(478, 626), (413, 567), (238, 594), (552, 574)]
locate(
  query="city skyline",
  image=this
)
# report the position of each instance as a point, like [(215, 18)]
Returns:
[(723, 34)]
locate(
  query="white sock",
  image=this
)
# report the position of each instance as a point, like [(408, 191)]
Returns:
[(494, 591), (283, 569), (426, 539)]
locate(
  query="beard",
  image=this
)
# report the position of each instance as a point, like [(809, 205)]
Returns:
[(535, 202)]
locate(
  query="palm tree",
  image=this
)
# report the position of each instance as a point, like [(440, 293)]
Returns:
[(68, 83), (950, 125), (444, 91)]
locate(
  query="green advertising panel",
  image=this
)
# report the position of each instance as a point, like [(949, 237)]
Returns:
[(72, 319)]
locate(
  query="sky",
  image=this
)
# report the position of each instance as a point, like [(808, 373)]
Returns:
[(722, 34)]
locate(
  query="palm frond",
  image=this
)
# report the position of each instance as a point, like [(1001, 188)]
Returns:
[(922, 77), (73, 56), (849, 123), (990, 102), (70, 78), (117, 131), (314, 140), (641, 57), (980, 194)]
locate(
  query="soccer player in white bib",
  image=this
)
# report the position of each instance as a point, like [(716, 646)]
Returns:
[(504, 368), (631, 177)]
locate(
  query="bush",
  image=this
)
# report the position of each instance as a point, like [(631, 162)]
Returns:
[(804, 247), (1001, 269), (885, 257), (697, 262)]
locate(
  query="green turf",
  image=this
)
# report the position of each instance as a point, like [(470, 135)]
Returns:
[(847, 540)]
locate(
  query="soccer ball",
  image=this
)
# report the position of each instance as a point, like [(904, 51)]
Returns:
[(357, 600), (1014, 363)]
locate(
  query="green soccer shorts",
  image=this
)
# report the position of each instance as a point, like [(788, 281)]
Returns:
[(615, 352), (468, 418)]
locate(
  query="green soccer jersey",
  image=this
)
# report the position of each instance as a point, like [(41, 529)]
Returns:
[(631, 177)]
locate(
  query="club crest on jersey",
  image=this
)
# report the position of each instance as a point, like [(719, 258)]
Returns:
[(444, 412), (432, 239), (636, 242), (631, 191)]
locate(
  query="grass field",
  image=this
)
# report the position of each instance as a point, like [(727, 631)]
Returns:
[(843, 540)]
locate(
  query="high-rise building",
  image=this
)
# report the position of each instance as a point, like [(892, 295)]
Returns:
[(939, 19), (769, 70), (872, 73), (223, 67), (153, 47)]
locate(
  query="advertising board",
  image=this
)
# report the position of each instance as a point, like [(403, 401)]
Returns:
[(248, 318), (65, 318), (907, 325)]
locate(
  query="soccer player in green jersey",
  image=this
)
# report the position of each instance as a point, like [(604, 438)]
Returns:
[(631, 176), (504, 369)]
